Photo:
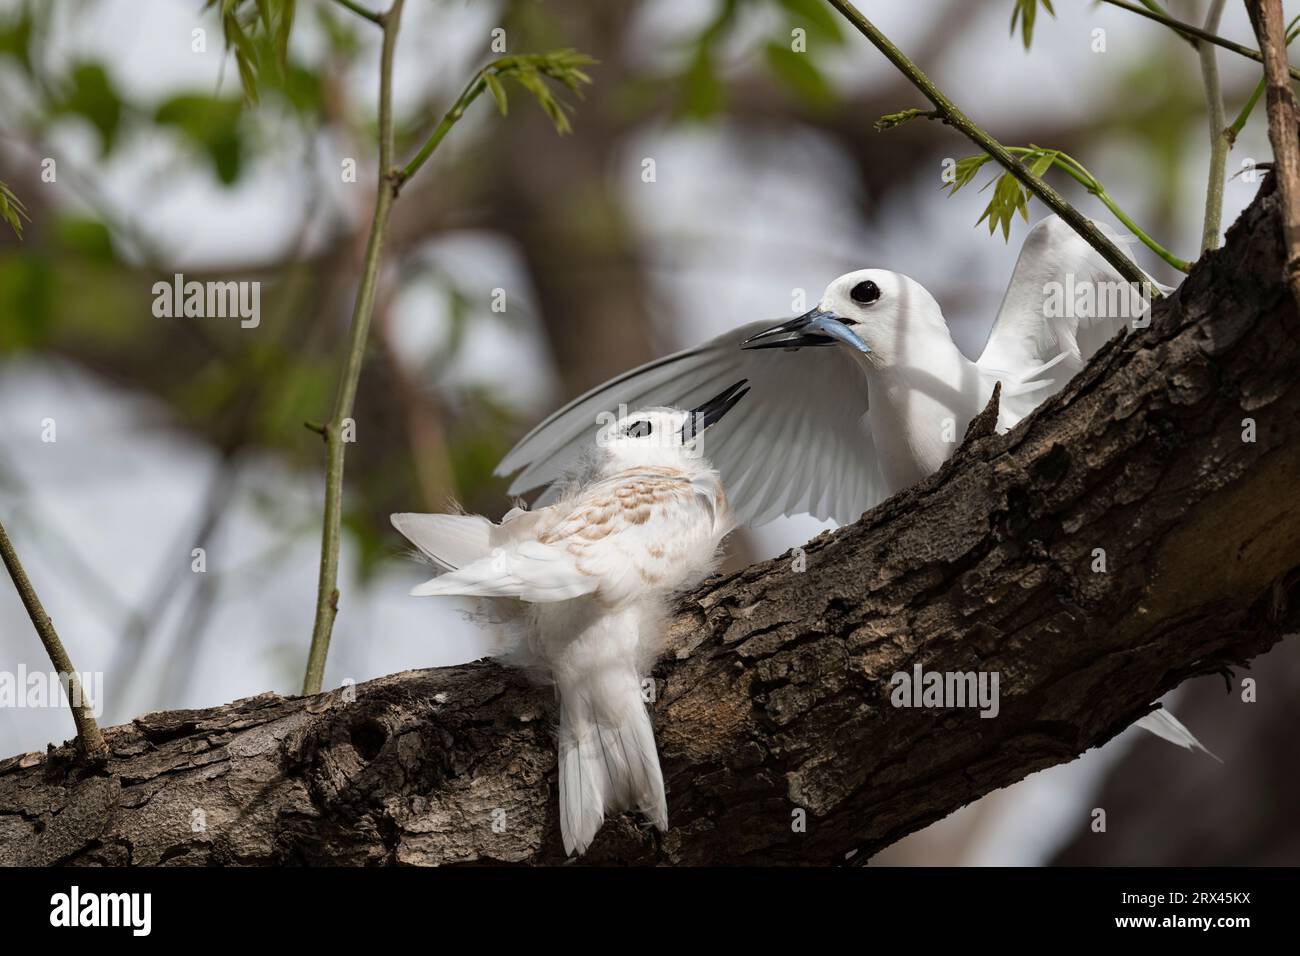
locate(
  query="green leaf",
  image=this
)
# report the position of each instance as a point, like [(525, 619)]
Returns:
[(498, 92), (89, 93), (702, 93), (965, 171), (246, 24), (566, 66), (797, 71), (16, 39), (532, 71), (210, 123), (196, 114), (301, 88), (1026, 11), (28, 289), (86, 238), (280, 33), (12, 210), (1041, 162), (245, 55), (1009, 198)]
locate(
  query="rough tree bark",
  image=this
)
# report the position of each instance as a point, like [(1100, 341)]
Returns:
[(775, 696)]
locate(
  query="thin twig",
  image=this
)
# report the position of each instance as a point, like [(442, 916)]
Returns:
[(1266, 17), (1220, 137), (562, 66), (1247, 108), (361, 11), (327, 595), (958, 120), (1187, 30), (51, 541), (89, 737), (530, 71), (1156, 8), (471, 92)]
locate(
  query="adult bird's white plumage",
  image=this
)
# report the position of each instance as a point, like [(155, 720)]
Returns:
[(832, 431), (583, 584)]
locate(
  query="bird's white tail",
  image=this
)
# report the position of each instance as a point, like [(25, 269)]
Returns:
[(1168, 727), (449, 541), (608, 760)]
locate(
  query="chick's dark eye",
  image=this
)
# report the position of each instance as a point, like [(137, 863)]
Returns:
[(638, 430), (865, 293)]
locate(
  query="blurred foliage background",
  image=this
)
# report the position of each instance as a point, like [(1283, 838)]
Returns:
[(769, 178)]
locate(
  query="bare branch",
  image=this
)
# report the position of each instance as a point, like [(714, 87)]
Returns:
[(327, 593), (89, 738), (1220, 137), (1266, 16)]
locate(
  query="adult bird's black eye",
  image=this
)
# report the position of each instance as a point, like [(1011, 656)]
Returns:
[(638, 430), (865, 293)]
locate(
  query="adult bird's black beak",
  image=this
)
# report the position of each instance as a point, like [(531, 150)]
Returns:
[(815, 327), (711, 412)]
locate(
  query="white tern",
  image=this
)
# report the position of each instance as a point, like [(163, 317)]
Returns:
[(584, 584), (832, 431)]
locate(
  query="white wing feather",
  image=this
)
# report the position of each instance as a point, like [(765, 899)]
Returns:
[(530, 571), (1035, 354), (800, 443), (544, 556), (797, 444)]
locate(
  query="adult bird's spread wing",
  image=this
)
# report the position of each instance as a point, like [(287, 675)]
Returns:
[(798, 444), (1039, 339)]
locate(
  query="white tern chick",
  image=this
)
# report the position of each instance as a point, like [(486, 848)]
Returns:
[(594, 571), (832, 431)]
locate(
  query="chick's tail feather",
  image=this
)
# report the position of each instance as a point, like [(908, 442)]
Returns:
[(449, 541), (608, 760)]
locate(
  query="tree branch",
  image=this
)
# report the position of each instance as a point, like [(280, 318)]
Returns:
[(1266, 17), (1220, 137), (327, 594), (361, 11), (88, 734), (775, 695), (472, 91), (531, 71)]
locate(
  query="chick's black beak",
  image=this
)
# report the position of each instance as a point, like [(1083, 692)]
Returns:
[(815, 327), (711, 412)]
